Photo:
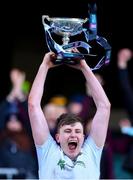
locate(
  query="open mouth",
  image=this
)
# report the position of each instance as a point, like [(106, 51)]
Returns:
[(72, 145)]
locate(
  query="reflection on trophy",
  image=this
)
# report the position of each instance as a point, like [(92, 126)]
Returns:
[(67, 27)]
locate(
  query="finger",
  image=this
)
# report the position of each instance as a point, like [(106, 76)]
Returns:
[(53, 56), (75, 50)]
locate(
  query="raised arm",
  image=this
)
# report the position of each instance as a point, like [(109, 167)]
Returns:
[(124, 56), (38, 122), (100, 121)]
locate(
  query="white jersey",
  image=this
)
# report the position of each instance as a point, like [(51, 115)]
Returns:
[(55, 165)]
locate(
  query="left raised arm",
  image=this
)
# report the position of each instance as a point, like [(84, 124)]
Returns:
[(100, 121)]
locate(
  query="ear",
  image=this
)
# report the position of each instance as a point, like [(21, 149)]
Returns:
[(57, 137)]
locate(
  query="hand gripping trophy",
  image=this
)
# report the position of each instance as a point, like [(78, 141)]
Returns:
[(67, 27)]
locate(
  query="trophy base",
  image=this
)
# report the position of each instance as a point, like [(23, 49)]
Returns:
[(66, 60)]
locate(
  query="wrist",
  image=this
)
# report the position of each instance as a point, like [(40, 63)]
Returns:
[(85, 67), (122, 65)]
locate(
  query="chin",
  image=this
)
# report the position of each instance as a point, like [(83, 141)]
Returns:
[(73, 155)]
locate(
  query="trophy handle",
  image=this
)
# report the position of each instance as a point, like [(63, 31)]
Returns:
[(45, 17), (85, 20)]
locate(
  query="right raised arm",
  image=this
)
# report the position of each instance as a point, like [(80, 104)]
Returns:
[(38, 122), (123, 57)]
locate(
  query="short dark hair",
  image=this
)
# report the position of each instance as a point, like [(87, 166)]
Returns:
[(67, 119)]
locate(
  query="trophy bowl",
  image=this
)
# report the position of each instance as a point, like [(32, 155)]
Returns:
[(66, 27)]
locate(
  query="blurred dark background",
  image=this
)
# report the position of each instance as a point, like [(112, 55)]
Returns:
[(23, 42)]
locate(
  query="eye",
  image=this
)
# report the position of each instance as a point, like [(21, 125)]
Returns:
[(78, 131), (67, 131)]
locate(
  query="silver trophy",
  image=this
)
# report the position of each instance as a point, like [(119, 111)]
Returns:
[(65, 27)]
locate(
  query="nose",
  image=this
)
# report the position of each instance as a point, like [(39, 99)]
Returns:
[(73, 134)]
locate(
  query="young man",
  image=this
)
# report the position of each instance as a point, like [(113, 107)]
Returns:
[(69, 157)]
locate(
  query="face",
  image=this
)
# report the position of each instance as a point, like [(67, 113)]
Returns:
[(17, 77), (71, 138), (75, 107), (52, 112), (14, 124)]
